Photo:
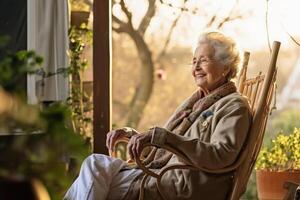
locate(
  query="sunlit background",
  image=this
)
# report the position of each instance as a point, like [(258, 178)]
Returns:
[(250, 20), (152, 46), (171, 37), (253, 24)]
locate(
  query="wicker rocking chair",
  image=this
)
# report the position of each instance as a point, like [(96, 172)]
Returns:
[(259, 91)]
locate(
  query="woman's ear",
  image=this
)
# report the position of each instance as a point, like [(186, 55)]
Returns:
[(226, 71)]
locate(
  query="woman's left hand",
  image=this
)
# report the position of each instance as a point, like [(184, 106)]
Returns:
[(136, 143)]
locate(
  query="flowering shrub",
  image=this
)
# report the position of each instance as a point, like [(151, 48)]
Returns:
[(282, 155)]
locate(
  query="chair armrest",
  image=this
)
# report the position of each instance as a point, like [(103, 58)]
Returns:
[(186, 166), (125, 139), (120, 140), (166, 168)]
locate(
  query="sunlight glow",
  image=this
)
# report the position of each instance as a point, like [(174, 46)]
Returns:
[(250, 31)]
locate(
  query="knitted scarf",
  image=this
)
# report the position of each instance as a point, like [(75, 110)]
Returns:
[(181, 121)]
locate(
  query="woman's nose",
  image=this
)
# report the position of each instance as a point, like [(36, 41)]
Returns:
[(197, 64)]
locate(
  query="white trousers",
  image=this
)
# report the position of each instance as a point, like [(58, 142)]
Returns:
[(100, 178)]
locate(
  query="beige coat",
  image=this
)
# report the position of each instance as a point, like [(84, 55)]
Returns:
[(213, 141)]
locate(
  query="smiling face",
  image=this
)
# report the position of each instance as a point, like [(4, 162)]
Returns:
[(208, 73)]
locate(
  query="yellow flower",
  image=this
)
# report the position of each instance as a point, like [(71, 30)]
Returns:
[(283, 154)]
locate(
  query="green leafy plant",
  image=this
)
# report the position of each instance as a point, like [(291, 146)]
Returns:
[(25, 62), (39, 139), (80, 101), (283, 154)]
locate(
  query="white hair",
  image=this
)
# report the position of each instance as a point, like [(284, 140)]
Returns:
[(226, 50)]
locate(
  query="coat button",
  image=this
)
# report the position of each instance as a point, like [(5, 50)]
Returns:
[(205, 124)]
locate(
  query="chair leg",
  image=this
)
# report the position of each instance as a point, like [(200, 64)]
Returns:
[(297, 195), (293, 191)]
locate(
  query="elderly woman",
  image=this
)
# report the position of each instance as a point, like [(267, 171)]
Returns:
[(208, 129)]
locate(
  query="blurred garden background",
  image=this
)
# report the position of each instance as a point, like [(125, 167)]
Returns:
[(145, 91), (152, 46), (171, 36)]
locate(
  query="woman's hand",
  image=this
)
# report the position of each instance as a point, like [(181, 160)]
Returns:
[(136, 143), (113, 136)]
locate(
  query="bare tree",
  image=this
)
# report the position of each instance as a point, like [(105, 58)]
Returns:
[(144, 88)]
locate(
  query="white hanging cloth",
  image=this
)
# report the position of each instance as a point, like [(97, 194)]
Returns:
[(48, 23)]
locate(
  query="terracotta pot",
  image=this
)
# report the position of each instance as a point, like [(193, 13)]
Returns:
[(79, 17), (270, 184)]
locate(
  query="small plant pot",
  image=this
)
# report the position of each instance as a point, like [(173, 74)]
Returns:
[(79, 17), (270, 184)]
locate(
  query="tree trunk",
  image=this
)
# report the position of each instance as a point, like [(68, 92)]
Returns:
[(144, 88)]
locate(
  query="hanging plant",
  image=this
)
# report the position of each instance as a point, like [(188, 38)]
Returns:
[(79, 101)]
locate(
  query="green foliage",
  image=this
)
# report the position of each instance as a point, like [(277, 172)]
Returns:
[(285, 121), (251, 192), (282, 122), (26, 62), (282, 154), (41, 140), (44, 154), (79, 38), (79, 101)]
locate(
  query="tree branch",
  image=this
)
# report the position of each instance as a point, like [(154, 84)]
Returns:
[(228, 19), (123, 26), (292, 38), (117, 20), (163, 51), (147, 18), (219, 24), (119, 29), (181, 8), (267, 26), (211, 21), (127, 12)]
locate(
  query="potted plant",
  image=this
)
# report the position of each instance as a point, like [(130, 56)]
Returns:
[(80, 12), (80, 94), (278, 163)]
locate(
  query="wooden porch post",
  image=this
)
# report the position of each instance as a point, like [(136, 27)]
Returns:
[(101, 73)]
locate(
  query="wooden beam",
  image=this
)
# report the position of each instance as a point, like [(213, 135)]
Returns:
[(101, 73)]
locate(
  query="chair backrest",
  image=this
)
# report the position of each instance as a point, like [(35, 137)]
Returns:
[(259, 91), (251, 87)]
